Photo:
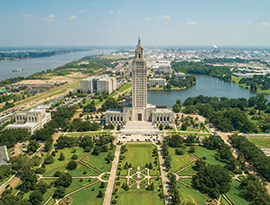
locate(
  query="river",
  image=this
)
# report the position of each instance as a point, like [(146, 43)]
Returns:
[(205, 85), (35, 65)]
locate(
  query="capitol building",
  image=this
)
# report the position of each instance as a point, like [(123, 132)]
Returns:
[(139, 110)]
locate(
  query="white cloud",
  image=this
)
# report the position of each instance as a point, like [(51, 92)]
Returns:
[(111, 12), (147, 19), (265, 23), (104, 22), (118, 12), (189, 22), (81, 11), (49, 18), (72, 17), (165, 17)]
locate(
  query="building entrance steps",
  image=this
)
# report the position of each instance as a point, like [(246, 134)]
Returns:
[(139, 127)]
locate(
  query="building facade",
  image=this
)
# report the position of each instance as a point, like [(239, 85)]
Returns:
[(165, 69), (179, 76), (31, 120), (157, 82), (139, 110), (100, 83)]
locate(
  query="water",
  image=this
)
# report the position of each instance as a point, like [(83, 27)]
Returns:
[(35, 65), (205, 85)]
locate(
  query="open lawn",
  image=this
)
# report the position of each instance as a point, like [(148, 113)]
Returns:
[(99, 162), (80, 169), (76, 184), (186, 180), (51, 202), (189, 171), (178, 161), (124, 87), (139, 155), (188, 130), (260, 142), (88, 196), (47, 195), (187, 133), (67, 153), (91, 133), (191, 195), (232, 194), (209, 154), (224, 201), (50, 174)]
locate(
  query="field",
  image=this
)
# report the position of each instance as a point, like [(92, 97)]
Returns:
[(124, 87), (209, 154), (191, 195), (80, 169), (189, 171), (260, 142), (76, 184), (139, 155), (88, 196), (232, 194), (178, 161)]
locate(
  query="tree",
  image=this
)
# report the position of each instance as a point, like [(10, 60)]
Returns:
[(29, 180), (64, 180), (178, 102), (176, 108), (74, 156), (184, 126), (96, 150), (72, 165), (102, 185), (192, 149), (160, 127), (100, 194), (62, 157), (32, 146), (179, 151), (49, 159), (59, 192), (42, 187), (36, 197), (150, 166)]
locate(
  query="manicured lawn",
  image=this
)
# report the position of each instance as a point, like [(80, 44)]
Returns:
[(88, 197), (67, 153), (139, 155), (76, 184), (188, 129), (138, 197), (188, 171), (224, 201), (51, 202), (186, 180), (191, 195), (260, 142), (52, 173), (178, 161), (99, 162), (80, 169), (209, 154), (232, 194), (124, 87), (47, 195), (76, 134), (187, 133)]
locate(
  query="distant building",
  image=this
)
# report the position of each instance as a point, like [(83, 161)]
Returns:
[(4, 158), (101, 84), (166, 68), (3, 92), (157, 82), (179, 75), (31, 120)]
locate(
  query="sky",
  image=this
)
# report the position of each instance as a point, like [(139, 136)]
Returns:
[(121, 22)]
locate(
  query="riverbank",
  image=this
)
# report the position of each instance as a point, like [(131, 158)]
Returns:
[(162, 88)]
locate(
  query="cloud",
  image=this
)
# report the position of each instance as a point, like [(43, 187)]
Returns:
[(112, 12), (72, 17), (49, 18), (165, 17), (103, 22), (189, 22), (147, 19), (265, 23), (81, 11)]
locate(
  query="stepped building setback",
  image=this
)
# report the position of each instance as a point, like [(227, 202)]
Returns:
[(139, 110)]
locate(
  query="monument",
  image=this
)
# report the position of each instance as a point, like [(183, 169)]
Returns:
[(139, 110), (138, 172)]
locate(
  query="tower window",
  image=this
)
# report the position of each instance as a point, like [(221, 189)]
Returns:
[(139, 55)]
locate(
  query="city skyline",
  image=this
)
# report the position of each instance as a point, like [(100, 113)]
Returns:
[(118, 23)]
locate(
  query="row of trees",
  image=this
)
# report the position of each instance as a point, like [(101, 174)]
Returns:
[(257, 81), (181, 83)]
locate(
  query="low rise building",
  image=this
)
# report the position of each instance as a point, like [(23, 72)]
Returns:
[(157, 82), (166, 68), (179, 76), (31, 120)]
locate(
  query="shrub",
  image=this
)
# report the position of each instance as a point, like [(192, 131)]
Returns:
[(72, 165), (40, 170), (74, 156)]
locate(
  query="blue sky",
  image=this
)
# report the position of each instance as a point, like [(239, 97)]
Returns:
[(120, 22)]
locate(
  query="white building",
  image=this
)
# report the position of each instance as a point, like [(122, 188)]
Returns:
[(101, 84), (179, 76), (157, 82), (140, 110), (166, 68), (31, 120)]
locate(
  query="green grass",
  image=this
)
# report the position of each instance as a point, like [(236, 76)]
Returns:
[(224, 201), (188, 171), (87, 196), (232, 194), (51, 202), (47, 195), (76, 134), (99, 162), (191, 195), (260, 142), (188, 130), (67, 153), (187, 133), (178, 161), (209, 154), (139, 155), (186, 180), (76, 184), (124, 87), (52, 173), (80, 169)]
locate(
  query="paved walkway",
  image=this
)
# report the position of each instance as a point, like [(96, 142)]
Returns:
[(109, 189)]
